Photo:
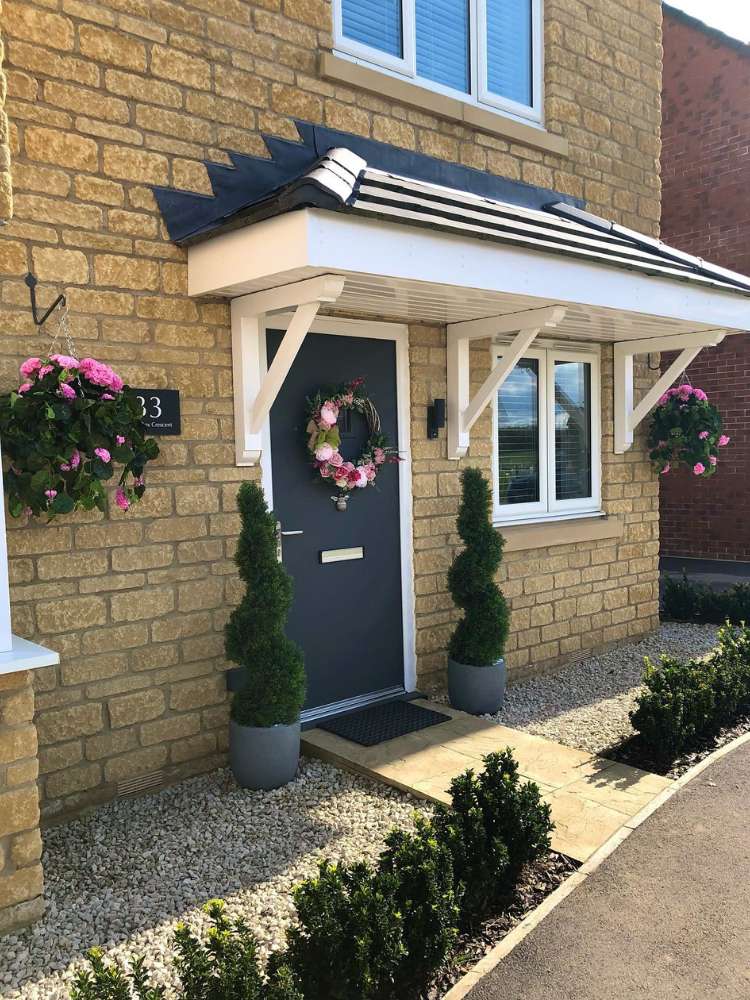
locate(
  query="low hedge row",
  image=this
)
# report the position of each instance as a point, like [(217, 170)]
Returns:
[(685, 601), (684, 701), (374, 932)]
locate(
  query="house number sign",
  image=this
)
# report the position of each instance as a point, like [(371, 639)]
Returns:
[(161, 410)]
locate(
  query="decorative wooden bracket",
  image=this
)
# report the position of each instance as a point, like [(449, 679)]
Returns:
[(256, 388), (628, 416), (463, 412)]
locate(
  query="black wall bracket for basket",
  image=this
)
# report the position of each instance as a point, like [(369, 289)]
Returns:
[(32, 282)]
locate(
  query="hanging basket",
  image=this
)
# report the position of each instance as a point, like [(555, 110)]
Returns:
[(64, 431), (686, 430)]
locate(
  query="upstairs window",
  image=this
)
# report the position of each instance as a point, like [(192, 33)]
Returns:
[(547, 439), (487, 52)]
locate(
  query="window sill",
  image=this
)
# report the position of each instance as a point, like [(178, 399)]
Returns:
[(333, 67), (539, 534)]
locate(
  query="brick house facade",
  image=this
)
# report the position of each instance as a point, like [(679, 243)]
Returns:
[(706, 211), (105, 100)]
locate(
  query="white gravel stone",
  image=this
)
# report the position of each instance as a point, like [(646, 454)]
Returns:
[(587, 704), (123, 876)]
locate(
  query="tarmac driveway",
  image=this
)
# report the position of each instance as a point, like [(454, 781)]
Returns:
[(666, 917)]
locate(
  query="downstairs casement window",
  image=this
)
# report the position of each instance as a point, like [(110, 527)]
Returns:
[(486, 52), (547, 448)]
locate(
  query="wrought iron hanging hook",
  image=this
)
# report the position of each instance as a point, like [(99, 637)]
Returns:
[(32, 282)]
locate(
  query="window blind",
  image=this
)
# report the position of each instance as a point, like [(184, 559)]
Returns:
[(376, 23), (442, 31), (509, 50), (518, 435), (572, 430)]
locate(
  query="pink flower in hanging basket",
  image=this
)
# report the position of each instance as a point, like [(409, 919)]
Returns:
[(30, 366), (703, 435), (685, 391), (700, 394), (666, 469), (103, 454), (45, 370), (64, 360), (724, 440), (698, 469), (67, 391), (50, 494), (119, 439), (24, 388), (121, 499), (712, 459)]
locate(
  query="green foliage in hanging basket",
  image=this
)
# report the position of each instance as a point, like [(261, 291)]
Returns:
[(686, 430), (64, 430), (274, 688), (479, 638)]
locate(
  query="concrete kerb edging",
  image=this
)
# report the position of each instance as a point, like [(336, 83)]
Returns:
[(533, 919)]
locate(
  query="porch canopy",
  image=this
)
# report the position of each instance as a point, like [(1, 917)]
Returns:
[(347, 237)]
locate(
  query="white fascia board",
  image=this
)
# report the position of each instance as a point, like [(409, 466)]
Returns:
[(267, 248), (315, 241), (341, 242)]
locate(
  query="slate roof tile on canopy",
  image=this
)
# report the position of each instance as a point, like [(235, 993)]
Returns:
[(342, 180)]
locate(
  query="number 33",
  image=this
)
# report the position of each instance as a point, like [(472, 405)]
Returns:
[(155, 407)]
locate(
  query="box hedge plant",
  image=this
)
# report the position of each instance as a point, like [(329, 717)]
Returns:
[(684, 701), (377, 931)]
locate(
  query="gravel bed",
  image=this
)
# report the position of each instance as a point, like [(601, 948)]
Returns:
[(123, 876), (586, 705)]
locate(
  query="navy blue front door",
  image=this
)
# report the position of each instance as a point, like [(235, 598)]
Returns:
[(346, 615)]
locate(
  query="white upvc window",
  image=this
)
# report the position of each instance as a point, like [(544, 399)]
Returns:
[(547, 436), (486, 52)]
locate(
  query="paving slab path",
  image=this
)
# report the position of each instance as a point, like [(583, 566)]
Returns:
[(666, 917), (591, 797)]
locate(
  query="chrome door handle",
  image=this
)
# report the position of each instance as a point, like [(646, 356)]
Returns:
[(292, 532)]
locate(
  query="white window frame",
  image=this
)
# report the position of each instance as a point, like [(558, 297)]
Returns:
[(548, 507), (479, 95)]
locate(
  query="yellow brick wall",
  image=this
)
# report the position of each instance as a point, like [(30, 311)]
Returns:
[(103, 100), (20, 843)]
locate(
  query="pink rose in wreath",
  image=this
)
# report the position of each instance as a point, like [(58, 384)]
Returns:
[(336, 459), (325, 471), (324, 453), (329, 413), (379, 456), (360, 477)]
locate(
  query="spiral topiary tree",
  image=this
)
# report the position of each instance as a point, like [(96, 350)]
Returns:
[(274, 688), (479, 637)]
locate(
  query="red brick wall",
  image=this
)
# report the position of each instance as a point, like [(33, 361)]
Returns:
[(706, 211)]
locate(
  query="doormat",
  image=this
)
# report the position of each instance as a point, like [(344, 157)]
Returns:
[(379, 723)]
